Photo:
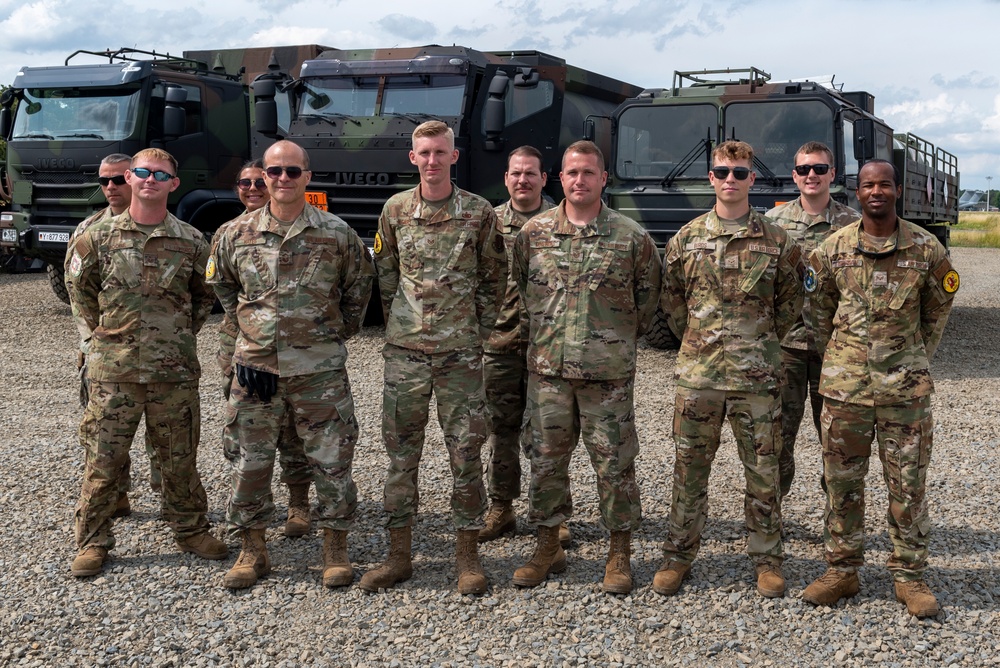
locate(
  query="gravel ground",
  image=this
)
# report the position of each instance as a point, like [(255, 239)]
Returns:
[(154, 606)]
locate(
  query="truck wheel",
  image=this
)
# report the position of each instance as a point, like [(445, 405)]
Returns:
[(659, 335), (57, 279)]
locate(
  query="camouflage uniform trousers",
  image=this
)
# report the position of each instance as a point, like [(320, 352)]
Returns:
[(756, 423), (802, 369), (905, 433), (291, 451), (505, 377), (173, 427), (456, 379), (559, 412), (322, 414)]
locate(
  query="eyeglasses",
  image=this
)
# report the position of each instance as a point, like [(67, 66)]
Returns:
[(820, 169), (739, 173), (275, 172), (142, 174), (117, 180), (244, 184)]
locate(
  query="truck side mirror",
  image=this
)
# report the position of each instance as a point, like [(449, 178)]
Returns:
[(264, 107), (496, 112), (526, 77), (5, 122), (174, 116), (589, 129), (864, 139)]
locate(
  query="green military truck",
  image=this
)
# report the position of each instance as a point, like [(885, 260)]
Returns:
[(354, 111), (663, 140), (59, 122)]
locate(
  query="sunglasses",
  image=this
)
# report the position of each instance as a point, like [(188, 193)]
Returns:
[(820, 169), (244, 184), (142, 174), (275, 172), (739, 173), (117, 180)]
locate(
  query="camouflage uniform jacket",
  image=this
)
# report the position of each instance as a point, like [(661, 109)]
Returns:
[(808, 231), (228, 331), (144, 298), (879, 320), (85, 331), (296, 297), (441, 272), (510, 336), (730, 299), (589, 292)]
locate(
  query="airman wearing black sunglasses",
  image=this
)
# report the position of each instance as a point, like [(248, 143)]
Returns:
[(732, 288), (111, 177), (808, 219)]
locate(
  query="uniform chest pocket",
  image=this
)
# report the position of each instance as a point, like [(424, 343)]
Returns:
[(254, 266), (458, 249), (545, 264), (175, 261), (410, 246), (761, 265), (611, 257), (320, 272), (904, 289), (125, 265)]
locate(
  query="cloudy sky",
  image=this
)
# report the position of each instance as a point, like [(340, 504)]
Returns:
[(931, 66)]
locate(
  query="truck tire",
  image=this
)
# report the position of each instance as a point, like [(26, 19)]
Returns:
[(659, 335), (57, 279)]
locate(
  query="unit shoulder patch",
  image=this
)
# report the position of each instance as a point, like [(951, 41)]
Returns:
[(951, 282)]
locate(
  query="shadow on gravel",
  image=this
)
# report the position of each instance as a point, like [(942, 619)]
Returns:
[(967, 349)]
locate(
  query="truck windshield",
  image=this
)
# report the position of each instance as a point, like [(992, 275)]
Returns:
[(418, 95), (777, 129), (654, 139), (76, 113)]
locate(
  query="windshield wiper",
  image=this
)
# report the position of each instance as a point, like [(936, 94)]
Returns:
[(326, 116), (416, 119), (34, 135), (91, 135), (703, 146)]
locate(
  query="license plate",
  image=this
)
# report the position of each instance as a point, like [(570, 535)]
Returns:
[(317, 199), (10, 235), (54, 237)]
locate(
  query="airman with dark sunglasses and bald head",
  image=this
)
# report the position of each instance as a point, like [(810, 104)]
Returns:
[(808, 219), (732, 288)]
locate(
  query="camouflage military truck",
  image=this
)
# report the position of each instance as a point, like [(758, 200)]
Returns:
[(354, 111), (663, 139), (59, 122)]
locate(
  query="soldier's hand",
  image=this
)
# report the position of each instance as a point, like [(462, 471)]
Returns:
[(262, 383), (84, 383)]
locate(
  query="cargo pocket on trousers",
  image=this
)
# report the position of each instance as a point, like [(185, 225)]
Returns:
[(230, 442)]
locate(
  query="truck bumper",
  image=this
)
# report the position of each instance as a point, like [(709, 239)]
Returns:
[(18, 235)]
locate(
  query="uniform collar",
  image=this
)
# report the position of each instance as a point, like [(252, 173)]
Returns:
[(598, 227), (754, 226)]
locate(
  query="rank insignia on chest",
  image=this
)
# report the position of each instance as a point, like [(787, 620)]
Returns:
[(731, 262), (809, 282), (880, 279), (951, 282), (149, 259), (284, 258), (210, 268), (377, 246)]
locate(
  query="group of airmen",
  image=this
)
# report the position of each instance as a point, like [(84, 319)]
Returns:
[(522, 321)]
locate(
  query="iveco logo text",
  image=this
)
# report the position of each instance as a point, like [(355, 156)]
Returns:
[(360, 178), (56, 163)]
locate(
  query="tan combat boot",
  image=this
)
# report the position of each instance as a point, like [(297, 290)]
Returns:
[(253, 562), (471, 578), (499, 520), (123, 508), (337, 570), (89, 561), (770, 581), (299, 521), (203, 544), (670, 576), (618, 571), (548, 558), (565, 537), (397, 567), (918, 597), (830, 587)]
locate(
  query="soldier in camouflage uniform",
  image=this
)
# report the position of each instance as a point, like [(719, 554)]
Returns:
[(111, 176), (441, 267), (296, 281), (881, 290), (589, 279), (505, 374), (808, 220), (137, 283), (731, 290), (252, 191)]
